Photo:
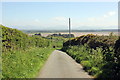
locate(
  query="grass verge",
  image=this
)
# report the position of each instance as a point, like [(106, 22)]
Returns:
[(24, 64)]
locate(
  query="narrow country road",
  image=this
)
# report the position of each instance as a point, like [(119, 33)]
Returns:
[(60, 65)]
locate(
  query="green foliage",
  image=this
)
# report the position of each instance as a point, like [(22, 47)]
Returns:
[(0, 52), (56, 42), (79, 40), (13, 39), (99, 55), (117, 50), (24, 64), (22, 55), (94, 70), (94, 41), (87, 57), (117, 57), (86, 64)]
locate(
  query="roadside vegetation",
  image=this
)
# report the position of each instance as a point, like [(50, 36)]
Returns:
[(24, 64), (57, 42), (23, 55), (99, 55)]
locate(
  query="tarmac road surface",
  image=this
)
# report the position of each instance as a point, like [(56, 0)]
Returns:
[(61, 65)]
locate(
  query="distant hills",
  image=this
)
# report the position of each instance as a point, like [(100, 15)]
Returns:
[(54, 31)]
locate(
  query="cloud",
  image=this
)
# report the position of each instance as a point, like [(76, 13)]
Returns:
[(103, 17), (37, 20), (107, 19), (61, 22), (109, 14), (60, 18), (112, 13)]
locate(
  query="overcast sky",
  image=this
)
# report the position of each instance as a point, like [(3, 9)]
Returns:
[(54, 15)]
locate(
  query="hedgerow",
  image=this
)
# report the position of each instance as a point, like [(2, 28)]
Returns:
[(13, 39), (99, 55), (22, 55)]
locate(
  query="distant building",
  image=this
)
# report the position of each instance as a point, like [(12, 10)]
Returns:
[(63, 35), (39, 34), (68, 35)]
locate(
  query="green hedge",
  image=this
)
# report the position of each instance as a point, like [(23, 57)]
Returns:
[(99, 55), (13, 39), (22, 55)]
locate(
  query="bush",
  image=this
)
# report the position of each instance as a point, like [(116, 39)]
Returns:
[(93, 70), (13, 39), (86, 64), (97, 54), (22, 55)]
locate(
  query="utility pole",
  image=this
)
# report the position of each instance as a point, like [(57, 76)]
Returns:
[(69, 31)]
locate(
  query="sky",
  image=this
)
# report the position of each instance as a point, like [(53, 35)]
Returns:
[(54, 15)]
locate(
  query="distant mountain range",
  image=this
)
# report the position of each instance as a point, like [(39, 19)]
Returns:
[(53, 31)]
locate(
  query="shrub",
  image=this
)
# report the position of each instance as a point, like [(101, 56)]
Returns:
[(86, 64), (93, 70), (13, 39), (97, 54), (22, 55)]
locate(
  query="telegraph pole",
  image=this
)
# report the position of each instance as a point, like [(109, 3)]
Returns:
[(69, 31)]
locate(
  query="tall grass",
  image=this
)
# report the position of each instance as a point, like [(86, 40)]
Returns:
[(24, 64)]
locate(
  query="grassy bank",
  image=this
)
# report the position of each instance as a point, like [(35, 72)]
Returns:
[(57, 42), (93, 61), (24, 64), (23, 55), (99, 55)]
